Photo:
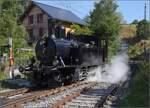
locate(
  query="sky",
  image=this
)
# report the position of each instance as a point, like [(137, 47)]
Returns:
[(130, 9), (134, 9)]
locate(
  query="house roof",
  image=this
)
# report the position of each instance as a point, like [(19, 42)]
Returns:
[(56, 13)]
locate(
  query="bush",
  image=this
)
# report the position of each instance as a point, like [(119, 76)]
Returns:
[(2, 75), (137, 95), (78, 30), (2, 67), (23, 57)]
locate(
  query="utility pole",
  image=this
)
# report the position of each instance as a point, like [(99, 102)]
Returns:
[(145, 7), (0, 7), (145, 31), (145, 12)]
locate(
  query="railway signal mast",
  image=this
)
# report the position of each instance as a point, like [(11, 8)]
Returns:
[(11, 58)]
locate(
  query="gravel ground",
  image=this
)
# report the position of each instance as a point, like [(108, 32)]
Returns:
[(2, 100), (48, 101), (89, 99), (5, 90)]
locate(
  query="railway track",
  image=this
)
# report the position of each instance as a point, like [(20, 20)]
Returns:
[(14, 92), (34, 95), (74, 95), (87, 98)]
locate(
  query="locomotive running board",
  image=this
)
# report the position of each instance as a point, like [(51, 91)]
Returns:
[(76, 66)]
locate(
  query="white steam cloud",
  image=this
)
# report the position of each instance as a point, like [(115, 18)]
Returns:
[(115, 72)]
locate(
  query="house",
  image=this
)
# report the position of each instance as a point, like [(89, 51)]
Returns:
[(38, 16)]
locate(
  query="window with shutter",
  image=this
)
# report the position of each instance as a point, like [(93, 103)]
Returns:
[(39, 18), (31, 19)]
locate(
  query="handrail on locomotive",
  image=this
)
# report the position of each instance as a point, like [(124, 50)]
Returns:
[(65, 59)]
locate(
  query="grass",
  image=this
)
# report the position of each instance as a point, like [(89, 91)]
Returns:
[(138, 94), (2, 75)]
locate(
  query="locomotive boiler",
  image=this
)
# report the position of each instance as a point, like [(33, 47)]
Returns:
[(63, 60)]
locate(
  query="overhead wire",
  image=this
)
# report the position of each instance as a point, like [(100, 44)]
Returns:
[(75, 7)]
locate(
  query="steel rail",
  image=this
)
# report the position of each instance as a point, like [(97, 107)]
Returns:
[(36, 95), (14, 92), (89, 102)]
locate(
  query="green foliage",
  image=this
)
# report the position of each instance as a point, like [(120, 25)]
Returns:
[(2, 75), (138, 49), (139, 91), (113, 48), (2, 67), (9, 26), (10, 11), (24, 4), (22, 57), (8, 20), (78, 30), (140, 83), (143, 29), (104, 20), (141, 40), (135, 22)]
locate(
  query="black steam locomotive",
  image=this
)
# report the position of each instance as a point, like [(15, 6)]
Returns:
[(65, 60)]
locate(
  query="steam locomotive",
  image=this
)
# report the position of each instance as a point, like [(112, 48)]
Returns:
[(65, 60)]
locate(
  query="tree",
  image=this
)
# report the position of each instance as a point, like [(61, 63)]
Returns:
[(141, 40), (78, 30), (143, 29), (135, 22), (104, 20), (10, 11)]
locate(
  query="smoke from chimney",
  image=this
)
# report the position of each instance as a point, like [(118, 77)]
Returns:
[(115, 72)]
